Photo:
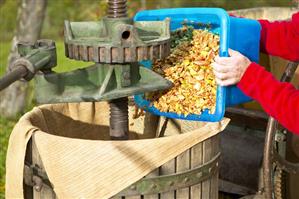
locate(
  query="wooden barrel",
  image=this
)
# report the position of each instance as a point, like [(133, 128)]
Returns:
[(178, 178), (191, 175)]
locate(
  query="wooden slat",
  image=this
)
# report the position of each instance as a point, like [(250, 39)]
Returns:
[(46, 191), (151, 126), (183, 164), (207, 151), (117, 197), (217, 174), (168, 168), (196, 160), (132, 197), (214, 179), (152, 196)]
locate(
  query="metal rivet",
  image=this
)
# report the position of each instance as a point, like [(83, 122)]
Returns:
[(133, 187), (153, 186), (217, 164), (171, 183), (37, 188), (199, 175), (186, 179), (126, 75), (38, 183)]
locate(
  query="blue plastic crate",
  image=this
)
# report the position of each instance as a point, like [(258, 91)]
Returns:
[(244, 38)]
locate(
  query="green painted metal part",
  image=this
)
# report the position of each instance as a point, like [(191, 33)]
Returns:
[(40, 56), (117, 40), (34, 57), (96, 83), (172, 182), (100, 81), (116, 45)]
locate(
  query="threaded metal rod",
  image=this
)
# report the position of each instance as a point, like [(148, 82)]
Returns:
[(119, 115), (119, 119), (117, 8)]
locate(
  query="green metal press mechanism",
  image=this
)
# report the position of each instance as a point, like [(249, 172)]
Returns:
[(116, 44)]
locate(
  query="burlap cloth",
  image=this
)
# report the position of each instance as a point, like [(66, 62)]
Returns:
[(81, 162)]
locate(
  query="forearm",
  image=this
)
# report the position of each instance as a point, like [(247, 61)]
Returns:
[(281, 38), (280, 100)]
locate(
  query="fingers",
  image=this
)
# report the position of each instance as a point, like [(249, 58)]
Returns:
[(227, 82), (228, 60), (223, 71), (223, 76), (221, 68), (223, 60), (225, 79), (229, 70)]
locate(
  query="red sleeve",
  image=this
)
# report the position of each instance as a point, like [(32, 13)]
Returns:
[(281, 38), (280, 100)]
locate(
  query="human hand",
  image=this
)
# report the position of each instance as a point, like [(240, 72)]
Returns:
[(229, 70)]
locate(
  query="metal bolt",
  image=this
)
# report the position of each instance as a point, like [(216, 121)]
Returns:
[(199, 175), (38, 183), (37, 188), (126, 75), (153, 186), (284, 168), (260, 191), (133, 187), (186, 179), (171, 183), (280, 136)]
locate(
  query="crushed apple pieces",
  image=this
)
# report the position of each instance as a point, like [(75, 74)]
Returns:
[(188, 67)]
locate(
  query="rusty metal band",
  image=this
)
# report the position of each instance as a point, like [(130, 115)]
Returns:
[(145, 186), (102, 54)]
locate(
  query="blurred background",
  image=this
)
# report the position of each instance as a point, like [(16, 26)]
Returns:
[(79, 10), (56, 11)]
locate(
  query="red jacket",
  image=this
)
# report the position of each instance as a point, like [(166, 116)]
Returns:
[(280, 100)]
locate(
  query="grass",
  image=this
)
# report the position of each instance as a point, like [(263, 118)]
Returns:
[(6, 125), (4, 51)]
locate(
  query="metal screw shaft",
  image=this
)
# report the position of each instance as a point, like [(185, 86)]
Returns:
[(119, 120), (117, 8)]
